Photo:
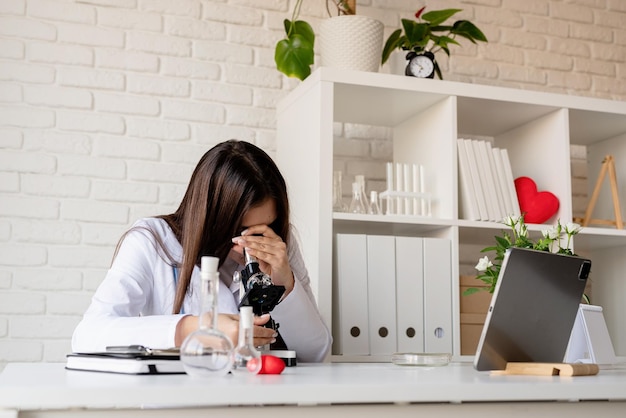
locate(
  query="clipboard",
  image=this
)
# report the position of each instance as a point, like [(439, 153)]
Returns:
[(133, 359)]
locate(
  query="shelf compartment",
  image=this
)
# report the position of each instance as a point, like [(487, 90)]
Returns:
[(426, 117)]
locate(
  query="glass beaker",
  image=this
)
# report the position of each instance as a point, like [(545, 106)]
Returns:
[(359, 178), (338, 205)]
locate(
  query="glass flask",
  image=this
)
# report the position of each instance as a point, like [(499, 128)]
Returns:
[(207, 352), (357, 205), (374, 205), (360, 178), (247, 357)]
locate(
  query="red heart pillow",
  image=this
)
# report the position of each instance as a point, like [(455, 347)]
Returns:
[(537, 207)]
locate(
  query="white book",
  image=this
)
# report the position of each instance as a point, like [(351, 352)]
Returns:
[(503, 183), (486, 180), (467, 197), (479, 194), (508, 171), (496, 180)]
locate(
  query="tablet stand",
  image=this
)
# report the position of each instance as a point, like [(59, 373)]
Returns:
[(590, 341), (549, 369)]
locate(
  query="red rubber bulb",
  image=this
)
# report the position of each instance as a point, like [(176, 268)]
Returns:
[(271, 364)]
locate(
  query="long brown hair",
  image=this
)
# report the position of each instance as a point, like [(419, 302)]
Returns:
[(230, 178)]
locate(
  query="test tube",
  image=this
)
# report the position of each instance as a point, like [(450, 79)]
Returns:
[(407, 188), (415, 189), (424, 211), (399, 188), (389, 188)]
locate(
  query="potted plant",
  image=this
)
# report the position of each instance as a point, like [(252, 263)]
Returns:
[(341, 35), (294, 55), (551, 240), (427, 35)]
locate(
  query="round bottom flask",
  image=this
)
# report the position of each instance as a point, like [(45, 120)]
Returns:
[(207, 353)]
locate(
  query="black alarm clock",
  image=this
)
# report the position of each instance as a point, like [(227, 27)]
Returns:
[(420, 65)]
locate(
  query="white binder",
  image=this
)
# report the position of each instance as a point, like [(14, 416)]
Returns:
[(437, 296), (351, 303), (410, 294), (381, 288), (590, 341)]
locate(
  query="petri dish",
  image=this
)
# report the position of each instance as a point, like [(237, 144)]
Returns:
[(421, 359)]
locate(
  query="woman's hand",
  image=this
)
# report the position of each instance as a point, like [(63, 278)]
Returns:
[(270, 250), (229, 325)]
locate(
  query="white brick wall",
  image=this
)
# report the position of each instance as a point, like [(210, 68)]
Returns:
[(106, 106)]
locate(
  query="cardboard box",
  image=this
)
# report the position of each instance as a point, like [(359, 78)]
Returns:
[(473, 313)]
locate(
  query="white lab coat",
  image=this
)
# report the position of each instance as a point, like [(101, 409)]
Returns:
[(133, 304)]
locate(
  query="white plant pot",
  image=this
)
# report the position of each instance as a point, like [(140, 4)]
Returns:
[(351, 41)]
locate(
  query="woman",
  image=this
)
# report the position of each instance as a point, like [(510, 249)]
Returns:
[(236, 199)]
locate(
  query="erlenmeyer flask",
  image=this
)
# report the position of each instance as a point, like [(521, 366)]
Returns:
[(207, 352), (357, 205), (374, 205)]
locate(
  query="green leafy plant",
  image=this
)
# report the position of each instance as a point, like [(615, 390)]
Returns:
[(294, 55), (550, 240), (428, 33)]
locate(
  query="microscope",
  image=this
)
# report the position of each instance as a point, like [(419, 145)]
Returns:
[(258, 291)]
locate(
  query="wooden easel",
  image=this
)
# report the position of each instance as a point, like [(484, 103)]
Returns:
[(608, 164)]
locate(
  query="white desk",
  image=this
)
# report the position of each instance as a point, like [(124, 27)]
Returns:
[(47, 389)]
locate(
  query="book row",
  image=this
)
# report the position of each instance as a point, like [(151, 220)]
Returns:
[(486, 183)]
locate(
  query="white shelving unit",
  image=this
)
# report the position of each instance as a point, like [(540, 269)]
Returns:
[(426, 117)]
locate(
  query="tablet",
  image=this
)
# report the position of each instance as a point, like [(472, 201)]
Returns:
[(533, 309)]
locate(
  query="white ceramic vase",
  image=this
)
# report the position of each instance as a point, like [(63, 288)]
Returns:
[(351, 41)]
